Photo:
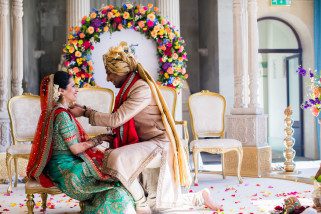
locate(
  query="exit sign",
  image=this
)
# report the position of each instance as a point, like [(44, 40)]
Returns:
[(281, 2)]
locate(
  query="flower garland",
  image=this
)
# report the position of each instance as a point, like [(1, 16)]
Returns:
[(143, 19), (314, 91)]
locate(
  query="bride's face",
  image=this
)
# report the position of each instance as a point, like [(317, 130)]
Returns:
[(70, 93)]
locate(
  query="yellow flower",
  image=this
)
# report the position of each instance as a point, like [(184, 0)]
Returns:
[(126, 15), (151, 16), (166, 75), (93, 15), (79, 61), (117, 14), (90, 30), (161, 32), (70, 36), (157, 28), (129, 24), (77, 80)]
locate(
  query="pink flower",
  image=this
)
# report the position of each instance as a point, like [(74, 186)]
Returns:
[(118, 20), (150, 23)]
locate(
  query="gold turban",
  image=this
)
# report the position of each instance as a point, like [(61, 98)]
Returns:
[(119, 60)]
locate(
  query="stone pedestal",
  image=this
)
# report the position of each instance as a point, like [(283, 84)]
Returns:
[(251, 130), (256, 162)]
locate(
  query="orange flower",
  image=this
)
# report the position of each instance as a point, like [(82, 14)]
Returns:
[(78, 54), (151, 16), (110, 15), (155, 9), (141, 24), (81, 35), (90, 30), (75, 70), (126, 15), (149, 5), (153, 34), (315, 111), (141, 10), (120, 27), (71, 49), (93, 15), (77, 28), (170, 70), (317, 92), (175, 56), (106, 29), (186, 76)]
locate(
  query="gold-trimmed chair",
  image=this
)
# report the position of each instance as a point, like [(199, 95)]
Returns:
[(170, 96), (100, 99), (207, 112), (24, 112)]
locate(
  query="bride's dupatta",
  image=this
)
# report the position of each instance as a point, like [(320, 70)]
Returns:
[(41, 150)]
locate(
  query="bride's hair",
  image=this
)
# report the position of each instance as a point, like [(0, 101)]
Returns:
[(61, 79)]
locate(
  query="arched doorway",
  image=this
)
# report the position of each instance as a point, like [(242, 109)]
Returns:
[(280, 54)]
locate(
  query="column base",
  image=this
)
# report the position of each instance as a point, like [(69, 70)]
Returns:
[(249, 110), (256, 162)]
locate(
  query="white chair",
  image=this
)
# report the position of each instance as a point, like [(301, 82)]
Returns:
[(24, 112), (100, 99), (207, 112), (170, 97)]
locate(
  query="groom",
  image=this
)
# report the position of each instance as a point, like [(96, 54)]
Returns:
[(140, 134)]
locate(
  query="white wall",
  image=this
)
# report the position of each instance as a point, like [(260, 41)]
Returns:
[(300, 16)]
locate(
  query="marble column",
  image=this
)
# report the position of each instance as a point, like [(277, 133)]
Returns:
[(170, 10), (251, 127), (4, 73), (76, 9), (239, 56), (17, 47), (253, 62)]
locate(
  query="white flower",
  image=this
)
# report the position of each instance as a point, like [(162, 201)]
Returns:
[(56, 93)]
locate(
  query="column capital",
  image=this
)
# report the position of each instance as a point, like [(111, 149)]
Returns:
[(17, 8)]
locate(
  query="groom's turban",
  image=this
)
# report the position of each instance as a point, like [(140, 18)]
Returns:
[(118, 60)]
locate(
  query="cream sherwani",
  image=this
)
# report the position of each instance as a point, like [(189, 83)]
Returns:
[(126, 163)]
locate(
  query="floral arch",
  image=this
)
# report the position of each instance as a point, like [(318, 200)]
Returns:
[(171, 53)]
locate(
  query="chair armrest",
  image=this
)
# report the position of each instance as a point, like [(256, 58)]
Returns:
[(184, 124)]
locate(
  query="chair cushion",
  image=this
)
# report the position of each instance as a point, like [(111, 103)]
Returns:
[(33, 184), (19, 149), (215, 143)]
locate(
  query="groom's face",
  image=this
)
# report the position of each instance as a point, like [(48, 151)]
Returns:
[(117, 80)]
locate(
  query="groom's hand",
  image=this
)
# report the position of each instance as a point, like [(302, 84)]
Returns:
[(77, 110)]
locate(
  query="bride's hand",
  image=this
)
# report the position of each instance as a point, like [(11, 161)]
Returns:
[(105, 137)]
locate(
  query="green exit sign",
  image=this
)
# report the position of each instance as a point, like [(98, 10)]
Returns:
[(281, 2)]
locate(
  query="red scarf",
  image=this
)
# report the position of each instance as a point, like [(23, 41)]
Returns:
[(125, 134)]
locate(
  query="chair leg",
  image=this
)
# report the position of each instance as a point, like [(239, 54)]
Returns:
[(44, 197), (82, 206), (195, 159), (8, 163), (30, 203), (15, 160), (223, 166), (239, 163), (187, 155)]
